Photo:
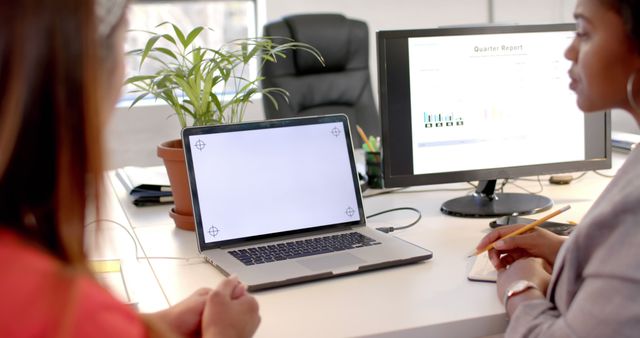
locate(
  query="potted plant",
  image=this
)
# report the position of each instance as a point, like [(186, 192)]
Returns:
[(203, 86)]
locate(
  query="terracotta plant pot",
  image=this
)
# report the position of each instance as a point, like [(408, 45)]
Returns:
[(172, 154)]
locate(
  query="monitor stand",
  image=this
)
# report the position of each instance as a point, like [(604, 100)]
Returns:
[(484, 202)]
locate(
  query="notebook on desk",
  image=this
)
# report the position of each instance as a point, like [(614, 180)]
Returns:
[(482, 270), (278, 202)]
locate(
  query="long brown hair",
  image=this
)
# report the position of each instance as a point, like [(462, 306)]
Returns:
[(53, 69), (50, 114)]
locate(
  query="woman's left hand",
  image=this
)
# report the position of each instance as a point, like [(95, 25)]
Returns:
[(530, 269)]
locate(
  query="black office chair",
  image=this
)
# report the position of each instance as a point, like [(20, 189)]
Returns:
[(342, 86)]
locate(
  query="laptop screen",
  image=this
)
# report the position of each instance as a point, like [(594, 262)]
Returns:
[(271, 177)]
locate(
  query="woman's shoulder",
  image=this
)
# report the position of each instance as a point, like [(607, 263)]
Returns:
[(43, 297), (25, 267), (610, 231), (620, 199), (609, 240)]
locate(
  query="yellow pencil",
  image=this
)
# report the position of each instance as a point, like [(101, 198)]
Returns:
[(524, 229), (365, 139)]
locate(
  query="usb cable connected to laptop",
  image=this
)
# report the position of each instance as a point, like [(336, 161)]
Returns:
[(391, 228)]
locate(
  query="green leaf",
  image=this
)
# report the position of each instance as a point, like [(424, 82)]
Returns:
[(147, 48), (251, 54), (180, 36), (164, 23), (247, 89), (140, 97), (159, 60), (187, 89), (192, 35), (206, 90), (268, 58), (268, 93), (216, 103), (170, 39), (134, 51), (190, 77), (197, 56), (190, 103), (243, 48), (167, 52), (139, 78), (187, 110)]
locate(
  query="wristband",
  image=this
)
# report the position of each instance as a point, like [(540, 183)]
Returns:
[(517, 288)]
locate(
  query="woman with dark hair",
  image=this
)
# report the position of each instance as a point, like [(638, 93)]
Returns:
[(61, 70), (589, 284)]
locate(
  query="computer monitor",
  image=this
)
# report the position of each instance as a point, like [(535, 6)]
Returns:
[(481, 104)]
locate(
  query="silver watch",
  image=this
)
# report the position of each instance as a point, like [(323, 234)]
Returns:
[(517, 288)]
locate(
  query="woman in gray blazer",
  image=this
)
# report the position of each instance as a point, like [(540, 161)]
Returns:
[(589, 284)]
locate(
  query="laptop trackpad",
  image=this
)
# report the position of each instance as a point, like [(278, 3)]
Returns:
[(330, 262)]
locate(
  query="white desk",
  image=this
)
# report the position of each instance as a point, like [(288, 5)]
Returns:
[(106, 238), (433, 298)]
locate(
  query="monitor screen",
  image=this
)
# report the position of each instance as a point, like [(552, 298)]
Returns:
[(480, 104)]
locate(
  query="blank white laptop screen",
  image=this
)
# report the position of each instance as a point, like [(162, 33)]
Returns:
[(257, 182)]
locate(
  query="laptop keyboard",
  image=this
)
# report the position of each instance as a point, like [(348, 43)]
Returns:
[(301, 248)]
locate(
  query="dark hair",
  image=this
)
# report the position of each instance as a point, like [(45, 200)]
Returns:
[(50, 115), (629, 10)]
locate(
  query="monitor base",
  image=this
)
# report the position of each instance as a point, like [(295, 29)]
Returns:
[(478, 205)]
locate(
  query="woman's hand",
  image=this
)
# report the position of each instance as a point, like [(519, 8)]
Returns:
[(227, 311), (537, 242), (185, 318), (530, 269), (230, 311)]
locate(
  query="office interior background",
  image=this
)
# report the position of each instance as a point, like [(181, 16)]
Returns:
[(133, 134)]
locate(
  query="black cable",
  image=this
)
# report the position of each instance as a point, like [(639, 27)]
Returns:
[(603, 175), (529, 191), (527, 179), (580, 176), (405, 190), (435, 190), (381, 192), (504, 182), (392, 229)]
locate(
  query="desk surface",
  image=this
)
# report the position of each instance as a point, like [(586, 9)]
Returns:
[(432, 298)]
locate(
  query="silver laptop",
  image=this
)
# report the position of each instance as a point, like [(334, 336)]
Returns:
[(278, 202)]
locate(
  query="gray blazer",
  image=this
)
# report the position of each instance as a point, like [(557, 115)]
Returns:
[(595, 286)]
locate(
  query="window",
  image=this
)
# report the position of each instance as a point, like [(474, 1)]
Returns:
[(228, 20)]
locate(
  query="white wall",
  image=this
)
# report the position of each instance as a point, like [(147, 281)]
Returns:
[(384, 14), (533, 11), (387, 15)]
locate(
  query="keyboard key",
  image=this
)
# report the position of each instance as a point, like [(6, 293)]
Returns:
[(302, 248)]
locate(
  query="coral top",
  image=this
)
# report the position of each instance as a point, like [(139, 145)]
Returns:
[(40, 297)]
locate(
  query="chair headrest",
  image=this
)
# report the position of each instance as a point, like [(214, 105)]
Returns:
[(329, 33)]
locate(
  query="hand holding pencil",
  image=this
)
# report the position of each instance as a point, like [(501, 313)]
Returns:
[(513, 242)]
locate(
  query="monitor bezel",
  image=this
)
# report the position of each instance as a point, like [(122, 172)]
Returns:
[(404, 180)]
